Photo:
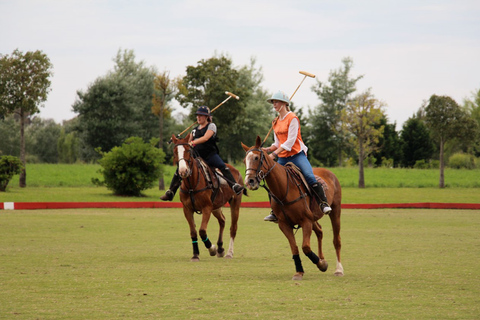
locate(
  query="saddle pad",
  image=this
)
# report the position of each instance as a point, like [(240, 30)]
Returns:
[(208, 171)]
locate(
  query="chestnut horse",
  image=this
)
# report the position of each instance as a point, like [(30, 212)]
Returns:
[(293, 204), (205, 192)]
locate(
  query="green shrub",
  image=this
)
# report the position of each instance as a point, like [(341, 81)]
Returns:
[(9, 166), (434, 164), (131, 168), (461, 161), (387, 163), (427, 164), (421, 164)]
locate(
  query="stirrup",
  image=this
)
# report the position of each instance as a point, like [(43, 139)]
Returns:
[(237, 188), (325, 208), (168, 196), (271, 217)]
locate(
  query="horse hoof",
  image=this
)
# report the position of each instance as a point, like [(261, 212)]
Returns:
[(338, 274), (298, 276), (212, 250), (195, 259), (229, 256), (220, 254), (322, 265)]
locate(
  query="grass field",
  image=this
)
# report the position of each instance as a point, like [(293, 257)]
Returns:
[(50, 183), (134, 264)]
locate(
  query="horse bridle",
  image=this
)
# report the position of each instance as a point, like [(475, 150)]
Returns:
[(259, 172), (189, 162)]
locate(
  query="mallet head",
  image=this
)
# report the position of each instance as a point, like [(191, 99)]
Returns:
[(308, 74), (232, 95)]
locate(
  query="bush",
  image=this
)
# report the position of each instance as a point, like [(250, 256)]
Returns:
[(131, 168), (9, 166), (387, 163), (461, 161)]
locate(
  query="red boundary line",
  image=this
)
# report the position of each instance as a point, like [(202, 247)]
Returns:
[(81, 205)]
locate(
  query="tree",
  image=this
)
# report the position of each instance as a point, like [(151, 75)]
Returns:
[(258, 115), (446, 121), (116, 107), (205, 84), (324, 135), (164, 91), (10, 137), (43, 136), (24, 86), (415, 142), (359, 120), (472, 107), (389, 145)]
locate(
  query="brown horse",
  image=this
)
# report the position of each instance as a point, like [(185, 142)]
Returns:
[(293, 204), (205, 192)]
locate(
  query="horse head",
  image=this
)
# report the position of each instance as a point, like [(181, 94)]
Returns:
[(182, 156), (257, 163)]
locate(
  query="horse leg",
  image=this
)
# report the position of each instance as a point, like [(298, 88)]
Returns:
[(221, 222), (337, 241), (307, 250), (234, 213), (193, 234), (206, 213), (288, 232), (321, 263)]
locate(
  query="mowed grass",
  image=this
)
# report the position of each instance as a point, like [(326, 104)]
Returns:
[(72, 183), (134, 264)]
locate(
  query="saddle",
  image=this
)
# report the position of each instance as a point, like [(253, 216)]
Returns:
[(297, 173), (210, 174)]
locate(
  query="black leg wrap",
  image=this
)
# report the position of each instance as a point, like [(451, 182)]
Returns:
[(220, 248), (195, 246), (298, 263), (313, 257), (207, 242)]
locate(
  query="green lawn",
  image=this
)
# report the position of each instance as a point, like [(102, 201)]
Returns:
[(134, 264)]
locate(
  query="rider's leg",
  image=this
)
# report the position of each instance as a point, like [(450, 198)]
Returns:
[(321, 198), (217, 162), (174, 185), (237, 188)]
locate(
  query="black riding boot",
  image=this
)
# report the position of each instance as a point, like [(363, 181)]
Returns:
[(174, 185), (227, 174), (322, 199)]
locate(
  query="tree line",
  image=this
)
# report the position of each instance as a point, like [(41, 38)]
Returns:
[(133, 99)]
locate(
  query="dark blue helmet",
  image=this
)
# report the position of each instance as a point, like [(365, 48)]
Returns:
[(203, 110)]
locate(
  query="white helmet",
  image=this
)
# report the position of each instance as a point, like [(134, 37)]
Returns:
[(280, 96)]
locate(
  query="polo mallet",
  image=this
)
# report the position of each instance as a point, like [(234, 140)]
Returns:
[(306, 74), (230, 95)]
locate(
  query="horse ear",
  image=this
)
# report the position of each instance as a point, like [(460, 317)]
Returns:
[(258, 142), (174, 139), (245, 147)]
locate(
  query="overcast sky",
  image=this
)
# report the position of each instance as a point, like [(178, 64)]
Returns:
[(406, 50)]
